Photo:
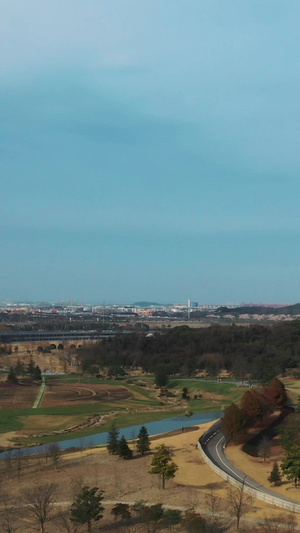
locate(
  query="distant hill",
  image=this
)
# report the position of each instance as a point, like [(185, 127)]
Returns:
[(260, 310), (148, 304)]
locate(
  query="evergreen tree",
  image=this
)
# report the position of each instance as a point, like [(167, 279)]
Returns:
[(123, 449), (162, 464), (37, 374), (20, 368), (291, 464), (12, 376), (113, 439), (143, 442), (275, 476), (87, 507), (290, 431), (121, 510), (31, 367)]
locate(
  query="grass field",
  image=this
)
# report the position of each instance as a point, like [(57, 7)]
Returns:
[(17, 395), (60, 393), (71, 400)]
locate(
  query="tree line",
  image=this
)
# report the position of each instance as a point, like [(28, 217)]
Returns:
[(21, 369), (260, 351)]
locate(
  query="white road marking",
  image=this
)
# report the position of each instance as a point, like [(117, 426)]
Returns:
[(243, 479)]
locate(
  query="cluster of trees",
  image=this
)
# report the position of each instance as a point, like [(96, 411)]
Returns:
[(38, 506), (290, 442), (261, 351), (119, 446), (21, 369), (161, 464), (255, 405)]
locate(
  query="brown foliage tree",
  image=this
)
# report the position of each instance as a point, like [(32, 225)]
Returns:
[(252, 406), (277, 392), (234, 423)]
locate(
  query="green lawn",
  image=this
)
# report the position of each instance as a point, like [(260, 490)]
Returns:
[(122, 421), (15, 419), (232, 393)]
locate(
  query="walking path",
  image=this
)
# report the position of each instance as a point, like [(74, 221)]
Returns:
[(40, 394)]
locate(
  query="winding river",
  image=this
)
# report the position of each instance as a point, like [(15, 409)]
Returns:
[(154, 428)]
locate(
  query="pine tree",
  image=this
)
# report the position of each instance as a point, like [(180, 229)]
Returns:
[(87, 507), (162, 464), (113, 440), (37, 374), (275, 476), (12, 376), (123, 449), (291, 464), (31, 367), (143, 442)]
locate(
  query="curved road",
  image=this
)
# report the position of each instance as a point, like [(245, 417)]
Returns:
[(213, 444)]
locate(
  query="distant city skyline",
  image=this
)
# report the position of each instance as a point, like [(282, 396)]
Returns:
[(150, 151), (74, 303)]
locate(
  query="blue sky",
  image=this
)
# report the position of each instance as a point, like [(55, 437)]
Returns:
[(150, 150)]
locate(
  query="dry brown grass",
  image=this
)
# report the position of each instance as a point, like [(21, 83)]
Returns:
[(15, 396), (130, 481), (58, 393)]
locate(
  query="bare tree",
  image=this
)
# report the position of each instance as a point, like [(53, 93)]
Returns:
[(19, 454), (54, 453), (239, 502), (213, 503), (264, 448), (285, 522), (8, 460), (81, 445), (77, 483), (39, 501), (9, 515)]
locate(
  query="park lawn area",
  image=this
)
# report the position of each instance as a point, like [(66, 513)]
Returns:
[(139, 393), (216, 395), (14, 419), (32, 424), (121, 421), (143, 393), (56, 417), (126, 420)]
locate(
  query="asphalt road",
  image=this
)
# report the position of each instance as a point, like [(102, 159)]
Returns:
[(213, 444)]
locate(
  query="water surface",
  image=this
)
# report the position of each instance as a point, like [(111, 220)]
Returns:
[(154, 428)]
